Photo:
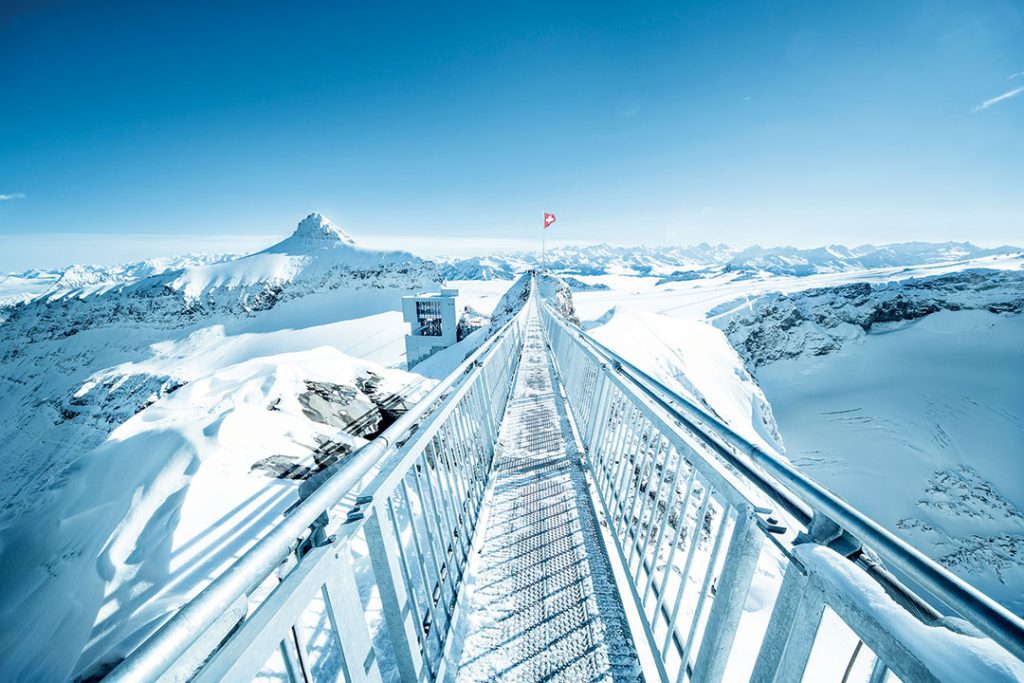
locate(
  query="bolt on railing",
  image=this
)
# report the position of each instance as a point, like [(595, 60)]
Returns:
[(407, 532), (694, 510)]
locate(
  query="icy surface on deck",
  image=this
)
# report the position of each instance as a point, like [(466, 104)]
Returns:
[(542, 602)]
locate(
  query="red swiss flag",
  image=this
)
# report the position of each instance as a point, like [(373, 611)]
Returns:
[(549, 218)]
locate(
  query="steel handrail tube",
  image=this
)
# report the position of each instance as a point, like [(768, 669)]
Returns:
[(665, 397), (984, 613), (792, 505), (162, 649)]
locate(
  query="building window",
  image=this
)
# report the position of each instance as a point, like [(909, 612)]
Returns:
[(428, 317)]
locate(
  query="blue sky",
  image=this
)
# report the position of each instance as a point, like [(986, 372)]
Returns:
[(770, 122)]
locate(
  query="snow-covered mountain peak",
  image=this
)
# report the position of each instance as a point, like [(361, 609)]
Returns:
[(318, 226), (314, 233)]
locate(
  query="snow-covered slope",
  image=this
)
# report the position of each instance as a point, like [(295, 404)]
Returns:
[(160, 424), (695, 360), (905, 398), (170, 498), (921, 428)]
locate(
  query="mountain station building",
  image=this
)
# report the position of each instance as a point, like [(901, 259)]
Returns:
[(434, 323)]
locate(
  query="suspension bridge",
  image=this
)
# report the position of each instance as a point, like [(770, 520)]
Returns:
[(550, 512)]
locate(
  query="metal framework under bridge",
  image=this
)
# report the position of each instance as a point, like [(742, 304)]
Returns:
[(551, 512)]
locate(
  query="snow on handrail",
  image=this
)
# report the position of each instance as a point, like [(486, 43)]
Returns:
[(606, 392), (185, 642)]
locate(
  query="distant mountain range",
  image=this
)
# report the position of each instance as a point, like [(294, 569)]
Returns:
[(316, 256), (672, 263), (668, 263), (19, 287)]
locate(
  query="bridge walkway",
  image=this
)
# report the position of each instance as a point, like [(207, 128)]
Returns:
[(541, 603)]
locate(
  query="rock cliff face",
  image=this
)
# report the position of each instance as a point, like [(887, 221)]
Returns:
[(551, 288), (557, 292), (817, 322), (510, 303)]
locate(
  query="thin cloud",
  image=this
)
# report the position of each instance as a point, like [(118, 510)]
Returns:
[(1017, 75), (999, 98), (8, 197)]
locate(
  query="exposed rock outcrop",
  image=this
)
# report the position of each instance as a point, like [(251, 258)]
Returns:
[(819, 321)]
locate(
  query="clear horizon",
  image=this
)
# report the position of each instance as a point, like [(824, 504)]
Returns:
[(783, 124)]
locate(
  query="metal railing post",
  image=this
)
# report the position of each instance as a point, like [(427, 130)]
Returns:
[(794, 583), (733, 584), (382, 544), (801, 637), (358, 657), (879, 671)]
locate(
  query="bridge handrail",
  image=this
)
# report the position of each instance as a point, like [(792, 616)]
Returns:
[(802, 498), (185, 642), (990, 617)]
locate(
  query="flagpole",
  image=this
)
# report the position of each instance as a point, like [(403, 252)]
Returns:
[(543, 235)]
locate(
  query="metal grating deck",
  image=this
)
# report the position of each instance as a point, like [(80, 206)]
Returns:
[(542, 604)]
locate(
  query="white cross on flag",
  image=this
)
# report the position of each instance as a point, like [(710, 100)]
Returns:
[(549, 218)]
